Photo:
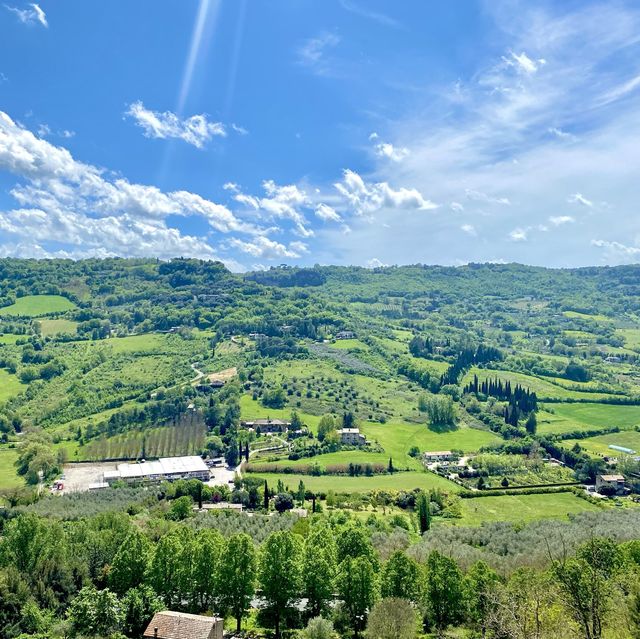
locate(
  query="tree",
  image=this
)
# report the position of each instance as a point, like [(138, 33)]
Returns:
[(283, 502), (138, 607), (480, 584), (280, 575), (443, 592), (95, 612), (181, 508), (165, 573), (390, 467), (353, 541), (424, 513), (236, 576), (318, 628), (205, 561), (585, 583), (400, 577), (319, 568), (130, 562), (266, 496), (441, 411), (392, 618), (357, 587), (300, 493), (531, 425), (326, 425)]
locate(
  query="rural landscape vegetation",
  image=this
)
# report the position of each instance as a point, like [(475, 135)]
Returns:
[(489, 402)]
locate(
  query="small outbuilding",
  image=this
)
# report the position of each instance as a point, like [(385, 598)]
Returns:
[(180, 625), (610, 483)]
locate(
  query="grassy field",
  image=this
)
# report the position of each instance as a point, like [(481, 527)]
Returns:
[(10, 385), (631, 337), (251, 409), (544, 389), (350, 344), (599, 445), (340, 484), (586, 417), (38, 305), (586, 316), (8, 338), (54, 326), (397, 440), (521, 508), (144, 343), (8, 477)]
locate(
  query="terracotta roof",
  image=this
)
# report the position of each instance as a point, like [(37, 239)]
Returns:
[(180, 625)]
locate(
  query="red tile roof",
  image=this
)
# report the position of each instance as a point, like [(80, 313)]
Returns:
[(180, 625)]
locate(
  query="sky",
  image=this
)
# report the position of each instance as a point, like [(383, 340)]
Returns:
[(267, 132)]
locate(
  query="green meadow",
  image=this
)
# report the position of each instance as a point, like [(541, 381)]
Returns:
[(37, 306)]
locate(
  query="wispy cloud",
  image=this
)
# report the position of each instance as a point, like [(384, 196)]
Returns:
[(366, 12), (559, 220), (578, 198), (196, 130), (313, 52), (33, 15)]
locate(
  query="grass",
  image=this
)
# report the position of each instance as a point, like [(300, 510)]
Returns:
[(587, 316), (144, 343), (8, 477), (398, 439), (521, 508), (599, 445), (10, 385), (38, 306), (631, 337), (586, 417), (55, 326), (340, 484), (11, 339), (251, 409), (350, 344)]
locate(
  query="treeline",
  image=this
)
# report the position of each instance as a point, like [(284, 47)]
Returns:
[(105, 576)]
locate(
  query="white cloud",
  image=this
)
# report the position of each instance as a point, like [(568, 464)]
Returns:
[(563, 135), (239, 129), (368, 197), (375, 263), (457, 207), (518, 235), (387, 150), (479, 196), (196, 130), (265, 248), (559, 220), (327, 213), (34, 15), (617, 252), (76, 205), (469, 229), (578, 198), (522, 62)]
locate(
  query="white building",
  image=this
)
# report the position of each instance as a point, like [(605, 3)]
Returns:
[(439, 456), (163, 469)]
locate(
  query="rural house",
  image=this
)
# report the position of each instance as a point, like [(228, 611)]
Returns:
[(610, 482), (352, 437), (266, 426), (180, 625), (439, 456), (345, 335)]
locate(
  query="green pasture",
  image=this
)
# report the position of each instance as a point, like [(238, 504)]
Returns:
[(631, 337), (342, 484), (350, 345), (569, 417), (587, 316), (8, 477), (520, 508), (50, 327), (251, 409), (599, 445), (37, 306), (10, 385), (9, 338), (398, 438)]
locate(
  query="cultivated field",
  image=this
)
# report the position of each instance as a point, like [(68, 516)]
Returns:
[(599, 445), (10, 385), (586, 417)]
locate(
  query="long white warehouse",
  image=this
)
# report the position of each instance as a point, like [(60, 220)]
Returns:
[(163, 469)]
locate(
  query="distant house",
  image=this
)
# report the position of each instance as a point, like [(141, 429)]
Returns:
[(613, 359), (267, 426), (345, 335), (352, 437), (610, 482), (180, 625), (439, 456)]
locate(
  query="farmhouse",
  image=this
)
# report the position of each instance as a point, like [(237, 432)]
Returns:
[(439, 455), (180, 625), (345, 335), (163, 469), (268, 425), (352, 437), (610, 482)]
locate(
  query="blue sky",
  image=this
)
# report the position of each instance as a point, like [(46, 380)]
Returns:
[(344, 131)]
